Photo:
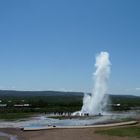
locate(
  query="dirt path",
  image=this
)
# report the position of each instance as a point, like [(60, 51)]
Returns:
[(63, 134)]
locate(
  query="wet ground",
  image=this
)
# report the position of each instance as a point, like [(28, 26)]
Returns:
[(5, 136), (46, 120)]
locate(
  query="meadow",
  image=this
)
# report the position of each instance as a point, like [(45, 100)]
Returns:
[(129, 131), (55, 102)]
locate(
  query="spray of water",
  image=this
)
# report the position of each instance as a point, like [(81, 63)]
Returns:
[(95, 103)]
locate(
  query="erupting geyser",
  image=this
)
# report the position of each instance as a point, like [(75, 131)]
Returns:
[(95, 103)]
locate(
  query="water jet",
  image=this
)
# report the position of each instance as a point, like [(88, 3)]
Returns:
[(95, 103)]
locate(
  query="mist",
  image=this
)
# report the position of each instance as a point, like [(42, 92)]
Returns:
[(95, 103)]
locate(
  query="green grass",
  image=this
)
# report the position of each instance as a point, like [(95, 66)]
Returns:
[(63, 117), (57, 117), (3, 138), (131, 131), (72, 117), (14, 116)]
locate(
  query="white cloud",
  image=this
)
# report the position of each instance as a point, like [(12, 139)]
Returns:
[(133, 89), (137, 89), (129, 91)]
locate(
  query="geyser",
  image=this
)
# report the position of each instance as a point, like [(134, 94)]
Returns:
[(95, 103)]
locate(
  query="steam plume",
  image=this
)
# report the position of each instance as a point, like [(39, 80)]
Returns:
[(96, 102)]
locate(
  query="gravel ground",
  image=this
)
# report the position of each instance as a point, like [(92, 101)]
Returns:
[(62, 134)]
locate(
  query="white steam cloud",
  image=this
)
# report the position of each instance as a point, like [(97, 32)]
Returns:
[(96, 102)]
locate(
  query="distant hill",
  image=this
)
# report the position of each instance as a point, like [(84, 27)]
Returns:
[(65, 99), (125, 96), (38, 93), (55, 93)]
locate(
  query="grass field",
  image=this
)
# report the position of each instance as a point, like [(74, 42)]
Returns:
[(131, 131), (3, 138), (14, 116), (54, 102)]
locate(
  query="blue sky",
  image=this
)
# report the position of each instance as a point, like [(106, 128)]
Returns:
[(51, 44)]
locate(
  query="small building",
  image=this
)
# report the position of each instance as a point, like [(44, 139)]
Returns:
[(3, 105), (21, 105), (26, 105), (18, 105)]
